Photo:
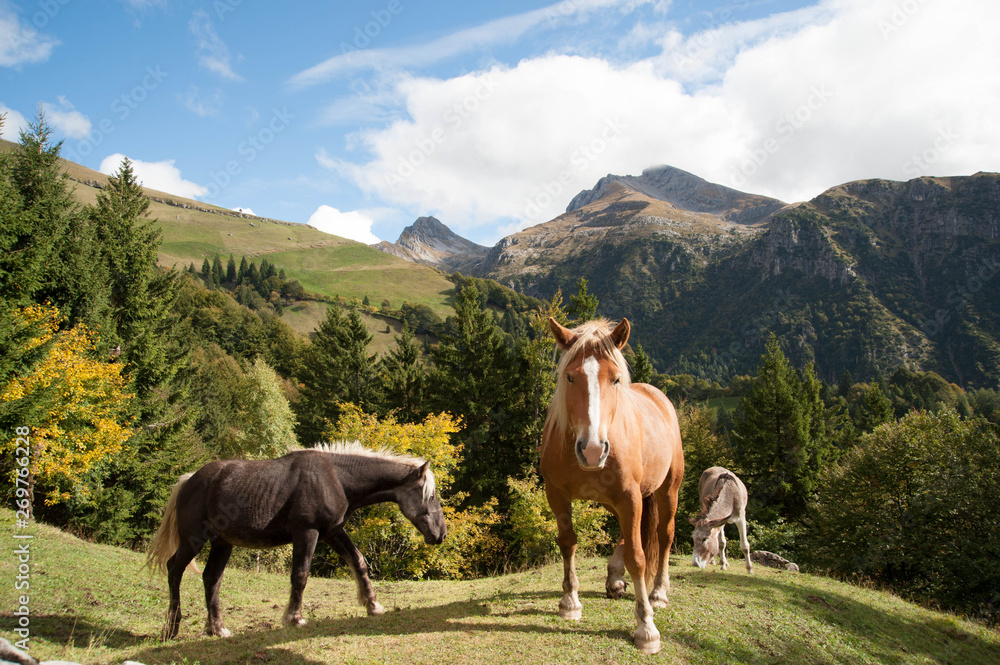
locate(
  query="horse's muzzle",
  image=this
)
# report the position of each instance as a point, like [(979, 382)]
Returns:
[(591, 454)]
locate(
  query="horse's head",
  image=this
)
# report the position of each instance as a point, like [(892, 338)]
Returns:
[(706, 540), (418, 500), (593, 377)]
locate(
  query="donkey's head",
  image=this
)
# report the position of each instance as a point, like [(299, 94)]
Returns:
[(593, 377), (418, 500), (706, 540)]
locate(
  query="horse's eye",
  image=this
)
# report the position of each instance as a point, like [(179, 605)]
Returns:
[(569, 377), (618, 380)]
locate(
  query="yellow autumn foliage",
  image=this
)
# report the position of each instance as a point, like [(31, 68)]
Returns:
[(390, 544), (77, 404)]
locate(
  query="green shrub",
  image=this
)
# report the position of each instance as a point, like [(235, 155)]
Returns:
[(914, 506)]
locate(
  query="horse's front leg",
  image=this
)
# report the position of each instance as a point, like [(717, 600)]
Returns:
[(346, 548), (218, 557), (723, 562), (570, 606), (303, 547), (646, 637)]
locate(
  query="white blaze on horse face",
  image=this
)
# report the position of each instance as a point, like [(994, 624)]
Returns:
[(591, 368), (593, 449)]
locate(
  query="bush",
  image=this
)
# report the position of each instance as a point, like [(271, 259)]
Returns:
[(534, 526), (914, 507), (392, 546)]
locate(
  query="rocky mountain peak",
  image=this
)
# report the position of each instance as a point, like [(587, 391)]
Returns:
[(431, 242), (686, 191)]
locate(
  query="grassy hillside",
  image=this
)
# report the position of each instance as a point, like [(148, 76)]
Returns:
[(94, 604), (323, 263)]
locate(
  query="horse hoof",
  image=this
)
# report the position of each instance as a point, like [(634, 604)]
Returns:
[(616, 589), (294, 621), (573, 614), (225, 632), (648, 647), (375, 609)]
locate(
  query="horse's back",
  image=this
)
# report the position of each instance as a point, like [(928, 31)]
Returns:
[(266, 497)]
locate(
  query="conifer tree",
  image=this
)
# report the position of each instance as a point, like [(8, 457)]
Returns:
[(583, 305), (218, 276), (337, 369), (231, 270), (778, 436), (52, 253), (642, 366), (404, 378)]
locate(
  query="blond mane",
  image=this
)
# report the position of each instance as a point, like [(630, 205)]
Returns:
[(357, 448), (593, 338)]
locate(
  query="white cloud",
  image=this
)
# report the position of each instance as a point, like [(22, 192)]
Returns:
[(357, 52), (13, 123), (786, 107), (202, 104), (245, 211), (64, 118), (213, 54), (20, 43), (163, 176), (352, 225)]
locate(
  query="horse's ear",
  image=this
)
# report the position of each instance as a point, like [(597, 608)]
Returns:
[(620, 334), (564, 336)]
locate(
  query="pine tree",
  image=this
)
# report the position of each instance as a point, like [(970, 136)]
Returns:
[(642, 366), (492, 386), (778, 436), (583, 305), (404, 379), (338, 369), (52, 253), (206, 271), (241, 275), (231, 270), (218, 276)]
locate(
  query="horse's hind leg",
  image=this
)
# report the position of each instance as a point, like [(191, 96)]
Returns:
[(303, 547), (175, 571), (345, 547), (666, 504), (218, 557), (615, 585), (570, 606), (741, 526)]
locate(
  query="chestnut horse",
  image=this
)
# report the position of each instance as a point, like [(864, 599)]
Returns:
[(617, 443)]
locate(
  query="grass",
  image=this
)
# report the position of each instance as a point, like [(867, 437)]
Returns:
[(94, 604)]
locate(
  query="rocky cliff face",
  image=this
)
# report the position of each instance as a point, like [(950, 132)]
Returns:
[(430, 242)]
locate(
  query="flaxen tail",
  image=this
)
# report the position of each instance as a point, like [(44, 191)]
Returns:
[(650, 538), (168, 535)]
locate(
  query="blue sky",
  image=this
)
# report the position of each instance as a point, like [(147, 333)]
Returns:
[(359, 117)]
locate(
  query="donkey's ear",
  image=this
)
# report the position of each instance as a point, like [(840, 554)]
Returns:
[(564, 336), (693, 520), (620, 334), (711, 524), (423, 469)]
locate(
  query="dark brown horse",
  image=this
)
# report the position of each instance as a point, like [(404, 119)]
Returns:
[(301, 498), (617, 443)]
